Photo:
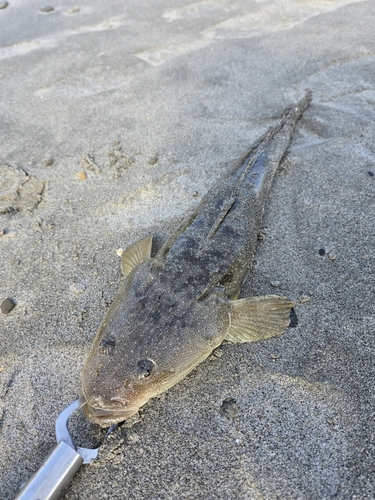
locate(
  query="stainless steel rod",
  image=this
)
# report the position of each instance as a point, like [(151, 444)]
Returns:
[(53, 475)]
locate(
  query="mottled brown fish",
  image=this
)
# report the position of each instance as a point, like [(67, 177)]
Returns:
[(172, 310)]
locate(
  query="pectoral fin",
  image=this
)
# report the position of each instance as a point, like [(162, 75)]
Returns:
[(135, 254), (258, 318)]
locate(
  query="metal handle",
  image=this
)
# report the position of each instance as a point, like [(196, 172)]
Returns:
[(61, 464), (53, 475)]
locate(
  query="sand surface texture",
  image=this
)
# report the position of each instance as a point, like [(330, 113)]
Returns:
[(116, 118)]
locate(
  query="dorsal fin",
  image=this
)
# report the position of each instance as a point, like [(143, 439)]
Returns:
[(258, 318), (135, 254)]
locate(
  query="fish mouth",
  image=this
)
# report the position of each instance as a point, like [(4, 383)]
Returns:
[(106, 417)]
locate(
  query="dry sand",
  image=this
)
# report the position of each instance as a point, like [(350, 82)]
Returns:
[(103, 91)]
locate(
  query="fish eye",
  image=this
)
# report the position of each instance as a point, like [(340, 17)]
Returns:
[(145, 367)]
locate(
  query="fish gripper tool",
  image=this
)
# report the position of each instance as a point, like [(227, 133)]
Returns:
[(59, 467)]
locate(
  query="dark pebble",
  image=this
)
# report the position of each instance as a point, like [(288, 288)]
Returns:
[(46, 9), (322, 252), (371, 174), (293, 319), (7, 306), (153, 160), (3, 5), (229, 408)]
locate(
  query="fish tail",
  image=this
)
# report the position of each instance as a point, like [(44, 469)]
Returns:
[(291, 116), (255, 171)]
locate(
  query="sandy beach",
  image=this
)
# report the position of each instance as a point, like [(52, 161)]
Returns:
[(116, 118)]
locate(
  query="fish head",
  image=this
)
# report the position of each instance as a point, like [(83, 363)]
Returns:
[(142, 349), (115, 388)]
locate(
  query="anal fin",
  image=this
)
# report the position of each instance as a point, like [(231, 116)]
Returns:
[(258, 318), (135, 254)]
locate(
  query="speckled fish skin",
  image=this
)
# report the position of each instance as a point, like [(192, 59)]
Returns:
[(172, 310)]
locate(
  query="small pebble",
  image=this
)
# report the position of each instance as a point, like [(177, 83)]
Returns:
[(229, 408), (3, 5), (322, 252), (46, 9), (371, 174), (276, 284), (119, 252), (82, 175), (73, 10), (7, 306), (153, 160)]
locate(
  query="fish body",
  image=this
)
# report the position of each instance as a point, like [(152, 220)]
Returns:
[(172, 310)]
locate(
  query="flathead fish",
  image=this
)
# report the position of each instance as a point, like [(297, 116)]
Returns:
[(172, 310)]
